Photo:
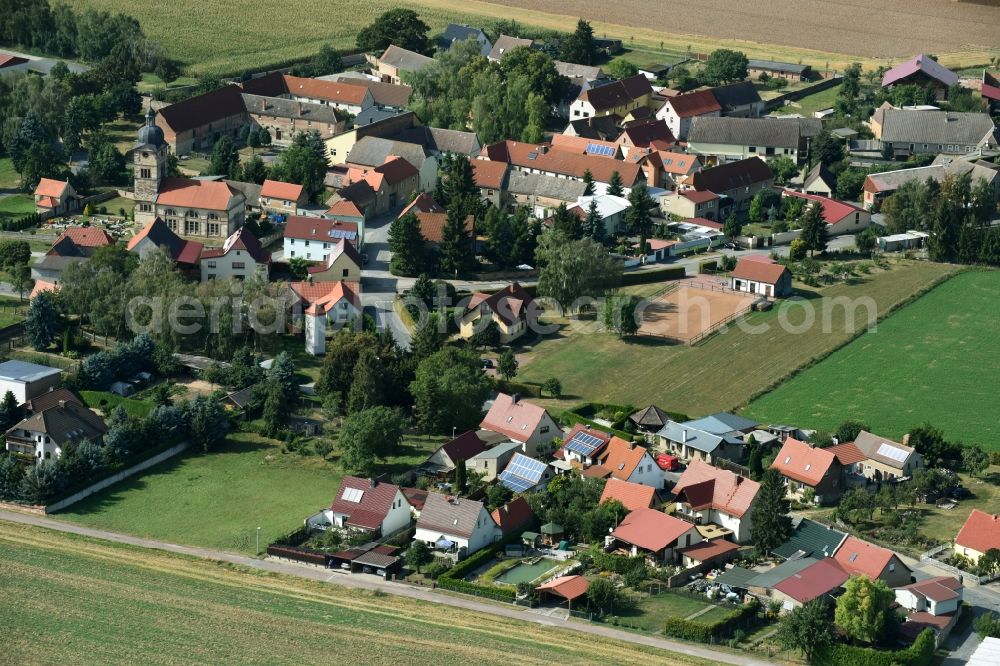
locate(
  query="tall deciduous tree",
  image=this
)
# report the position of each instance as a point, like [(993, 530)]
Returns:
[(303, 163), (580, 46), (401, 27), (864, 611), (575, 268), (43, 323), (814, 230), (619, 315), (507, 364), (807, 628), (225, 159), (724, 66), (367, 437), (449, 389), (771, 526)]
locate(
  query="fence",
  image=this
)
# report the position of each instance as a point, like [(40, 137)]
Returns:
[(713, 286), (719, 324), (964, 576)]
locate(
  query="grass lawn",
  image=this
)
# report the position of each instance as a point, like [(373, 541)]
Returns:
[(809, 104), (151, 82), (114, 205), (934, 360), (16, 206), (650, 613), (722, 373), (107, 402), (218, 500), (9, 179), (73, 599)]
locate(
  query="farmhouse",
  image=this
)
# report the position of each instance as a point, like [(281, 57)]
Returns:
[(282, 198), (759, 69), (980, 533), (491, 179), (44, 435), (239, 257), (878, 186), (453, 524), (706, 494), (689, 204), (908, 132), (735, 182), (313, 238), (808, 468), (373, 151), (512, 309), (521, 421), (387, 125), (396, 62), (505, 44), (769, 279), (840, 217), (886, 459), (678, 112), (924, 71), (542, 159), (79, 242), (369, 505), (654, 534), (55, 197), (459, 32), (730, 139), (284, 118), (387, 185), (432, 226), (739, 100), (542, 193), (340, 95)]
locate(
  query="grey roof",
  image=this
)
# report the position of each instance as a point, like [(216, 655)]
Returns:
[(374, 114), (823, 173), (808, 127), (289, 108), (439, 140), (561, 189), (51, 262), (777, 66), (251, 191), (772, 577), (457, 517), (574, 71), (874, 447), (69, 422), (757, 132), (404, 60), (497, 451), (734, 95), (722, 423), (694, 437), (373, 151), (20, 371), (889, 181), (505, 44), (456, 32), (651, 416), (810, 539), (943, 127), (736, 577)]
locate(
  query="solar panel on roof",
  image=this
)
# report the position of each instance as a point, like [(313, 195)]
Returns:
[(526, 468), (342, 233), (890, 451), (597, 149), (584, 443), (515, 483)]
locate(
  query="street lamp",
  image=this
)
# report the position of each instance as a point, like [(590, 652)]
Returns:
[(258, 541)]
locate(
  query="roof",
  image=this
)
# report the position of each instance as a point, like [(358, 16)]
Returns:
[(987, 654), (505, 44), (241, 398), (241, 240), (706, 551), (567, 587), (440, 140), (464, 446), (944, 127), (757, 132), (980, 532), (678, 163), (694, 438), (806, 464), (341, 92), (585, 440), (650, 529), (810, 538), (617, 93), (573, 70), (59, 262), (192, 193), (523, 473), (432, 225), (620, 458), (847, 453), (937, 589), (496, 451), (863, 558), (694, 104), (275, 189), (488, 174), (759, 272), (451, 516), (541, 158), (345, 208), (48, 187), (281, 107), (342, 247), (403, 59), (833, 211), (458, 32), (542, 185), (605, 128), (920, 63), (883, 450), (736, 577), (68, 422), (422, 203), (20, 371), (374, 558), (632, 495), (777, 66), (732, 175), (513, 516), (704, 486), (775, 575), (891, 180), (518, 420), (415, 496), (157, 231), (200, 110), (733, 95), (320, 229), (699, 197), (326, 293), (51, 399), (722, 423), (581, 145), (10, 60), (90, 237), (650, 417), (510, 304), (383, 94), (821, 172), (366, 502), (814, 581), (373, 151)]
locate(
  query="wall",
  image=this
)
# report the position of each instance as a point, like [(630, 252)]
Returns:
[(796, 95)]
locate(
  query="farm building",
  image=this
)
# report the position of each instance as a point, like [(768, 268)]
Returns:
[(923, 71), (757, 277), (781, 70)]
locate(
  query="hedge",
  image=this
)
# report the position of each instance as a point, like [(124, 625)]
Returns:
[(707, 633), (658, 275), (571, 419), (708, 266), (454, 578), (22, 223), (921, 653), (521, 389)]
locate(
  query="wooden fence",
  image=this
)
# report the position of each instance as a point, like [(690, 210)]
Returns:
[(711, 330)]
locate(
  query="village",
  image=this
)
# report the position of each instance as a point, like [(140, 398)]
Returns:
[(382, 279)]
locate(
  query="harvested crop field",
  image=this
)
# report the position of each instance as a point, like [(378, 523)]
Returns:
[(695, 306), (75, 600)]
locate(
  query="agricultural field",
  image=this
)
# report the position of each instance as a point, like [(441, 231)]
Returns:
[(722, 373), (72, 599), (217, 500), (935, 359)]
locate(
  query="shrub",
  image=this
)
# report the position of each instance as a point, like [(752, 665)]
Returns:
[(658, 275), (921, 653), (705, 633)]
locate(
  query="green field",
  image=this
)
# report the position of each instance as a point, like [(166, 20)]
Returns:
[(74, 600), (107, 402), (810, 104), (16, 206), (9, 180), (218, 500), (934, 360), (722, 373)]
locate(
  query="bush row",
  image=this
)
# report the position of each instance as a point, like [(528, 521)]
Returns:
[(658, 275), (520, 388), (921, 653), (708, 266), (570, 419), (705, 633), (488, 591), (22, 223)]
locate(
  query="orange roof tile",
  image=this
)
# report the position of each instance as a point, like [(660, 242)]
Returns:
[(345, 208), (518, 420), (806, 464), (567, 587), (488, 174), (188, 193), (650, 529), (863, 558), (632, 495), (275, 189), (620, 458), (48, 187), (704, 486), (847, 453), (432, 225), (333, 91), (709, 550), (980, 532), (759, 272), (86, 237), (315, 228), (326, 293), (513, 515), (543, 158)]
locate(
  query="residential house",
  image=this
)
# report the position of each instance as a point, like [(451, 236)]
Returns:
[(156, 234), (886, 459), (626, 461), (387, 96), (852, 463), (533, 158), (514, 516), (739, 100), (459, 32), (687, 204), (878, 186), (494, 460), (512, 308), (602, 128), (369, 505), (422, 203), (820, 180), (860, 558), (667, 169), (822, 579), (655, 534), (706, 494), (773, 69), (445, 459), (924, 71), (584, 444), (505, 44), (437, 140), (644, 134), (767, 278), (44, 435), (342, 263), (810, 539), (908, 132), (284, 118), (736, 183), (631, 495), (374, 151), (27, 381), (386, 125), (454, 524), (679, 111), (581, 146), (241, 256), (339, 302), (611, 211), (716, 551), (730, 139), (524, 474), (807, 467), (393, 183), (491, 179), (282, 198), (718, 436), (541, 193), (432, 227), (396, 62), (55, 197), (75, 245), (344, 210), (980, 533), (521, 421), (613, 98), (939, 595), (841, 217), (314, 238)]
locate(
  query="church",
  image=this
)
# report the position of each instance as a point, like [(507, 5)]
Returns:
[(190, 207)]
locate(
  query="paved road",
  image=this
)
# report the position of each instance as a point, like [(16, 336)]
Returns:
[(378, 285), (399, 589)]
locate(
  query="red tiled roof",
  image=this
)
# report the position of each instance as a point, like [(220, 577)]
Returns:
[(561, 162), (732, 175), (620, 458), (814, 581), (424, 203), (315, 228), (40, 286), (711, 224), (432, 225), (567, 587), (510, 303), (85, 237), (847, 453), (9, 60), (705, 486), (346, 208), (990, 92), (188, 193), (48, 187), (395, 170), (580, 145), (275, 189), (980, 532), (707, 551), (643, 134), (650, 529), (518, 420), (699, 197), (632, 495), (372, 508), (464, 446), (860, 557), (678, 163), (833, 211), (51, 399), (694, 104), (759, 272), (327, 293), (333, 91), (513, 516), (415, 497), (488, 174), (937, 589), (157, 231), (806, 464)]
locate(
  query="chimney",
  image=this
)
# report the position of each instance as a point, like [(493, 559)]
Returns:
[(372, 482), (516, 398), (631, 445), (62, 403), (298, 108), (543, 150), (684, 435), (906, 439)]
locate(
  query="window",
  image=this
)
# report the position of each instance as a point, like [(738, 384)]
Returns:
[(191, 227), (752, 149), (307, 243), (213, 229), (145, 173), (293, 253), (346, 272), (211, 276), (213, 216), (543, 430), (239, 265), (211, 264), (326, 246)]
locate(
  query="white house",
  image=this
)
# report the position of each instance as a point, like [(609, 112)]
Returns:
[(522, 422), (626, 461), (707, 494), (679, 111), (938, 596), (610, 209), (369, 505), (45, 434), (451, 523), (27, 380), (239, 257), (313, 238), (584, 444)]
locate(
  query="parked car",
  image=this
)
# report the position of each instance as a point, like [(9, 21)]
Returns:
[(487, 363)]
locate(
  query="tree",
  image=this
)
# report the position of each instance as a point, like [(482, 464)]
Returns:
[(826, 148), (864, 611), (621, 69), (732, 227), (593, 225), (11, 476), (601, 594), (428, 338), (588, 180), (784, 169), (275, 412), (619, 315), (207, 422), (254, 170), (448, 389), (573, 269), (553, 387), (849, 89), (943, 243), (771, 526), (408, 246), (418, 554), (848, 431), (850, 183), (22, 280), (579, 47), (975, 460), (854, 502), (14, 253), (930, 443), (460, 476), (366, 385), (42, 325), (10, 413), (507, 364), (724, 66), (866, 242), (303, 163), (987, 625), (814, 231), (755, 464), (806, 628), (486, 337), (497, 495), (639, 216), (456, 254), (566, 223), (616, 187), (401, 27), (368, 436), (225, 159)]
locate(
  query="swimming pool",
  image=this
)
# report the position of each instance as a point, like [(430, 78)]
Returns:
[(525, 572)]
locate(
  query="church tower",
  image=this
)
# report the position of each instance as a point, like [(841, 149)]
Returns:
[(149, 159)]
